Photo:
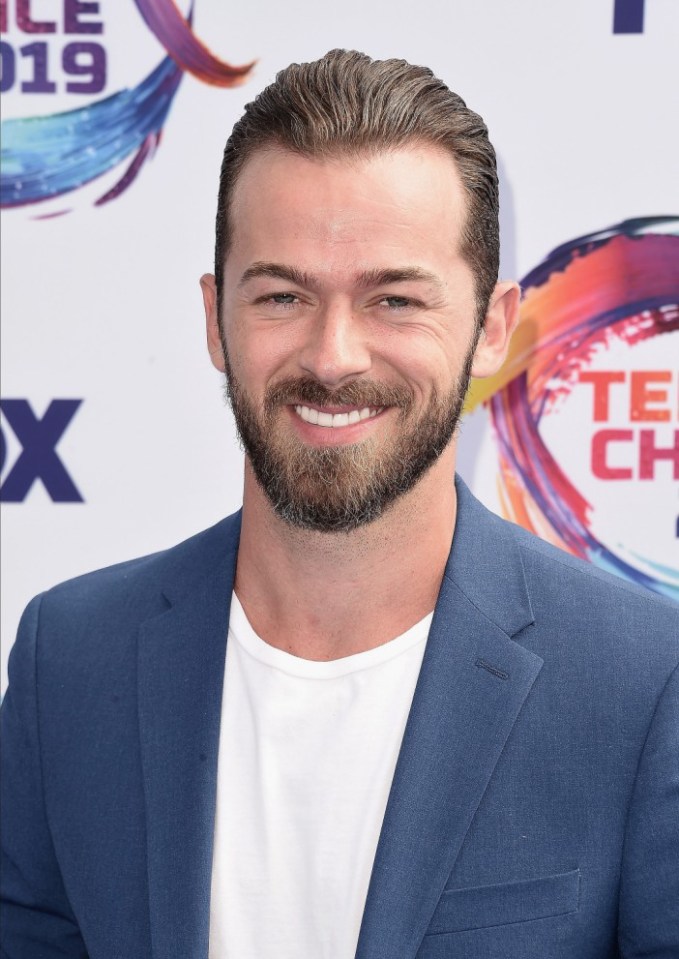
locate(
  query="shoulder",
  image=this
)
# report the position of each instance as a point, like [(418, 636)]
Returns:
[(188, 560), (571, 583), (98, 610), (612, 641), (574, 608), (608, 648)]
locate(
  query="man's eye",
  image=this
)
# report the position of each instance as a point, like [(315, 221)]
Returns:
[(396, 302), (277, 299), (284, 299)]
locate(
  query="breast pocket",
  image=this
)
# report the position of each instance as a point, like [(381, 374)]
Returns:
[(483, 906)]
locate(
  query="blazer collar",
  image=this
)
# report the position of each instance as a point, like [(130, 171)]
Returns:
[(473, 682)]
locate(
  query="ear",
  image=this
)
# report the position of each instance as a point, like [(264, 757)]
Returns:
[(500, 322), (214, 340)]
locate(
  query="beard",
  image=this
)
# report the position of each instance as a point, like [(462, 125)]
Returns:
[(335, 489)]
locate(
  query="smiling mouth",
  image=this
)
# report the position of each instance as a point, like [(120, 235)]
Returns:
[(336, 420)]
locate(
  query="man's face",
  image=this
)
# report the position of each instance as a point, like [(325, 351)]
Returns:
[(349, 327)]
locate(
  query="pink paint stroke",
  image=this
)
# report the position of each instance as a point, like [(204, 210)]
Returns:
[(173, 30)]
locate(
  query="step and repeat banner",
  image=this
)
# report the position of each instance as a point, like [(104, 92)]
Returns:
[(115, 440)]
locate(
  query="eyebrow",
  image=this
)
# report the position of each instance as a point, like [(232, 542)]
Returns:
[(403, 274), (277, 271), (367, 280)]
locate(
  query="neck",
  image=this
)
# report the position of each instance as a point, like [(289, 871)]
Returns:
[(324, 596)]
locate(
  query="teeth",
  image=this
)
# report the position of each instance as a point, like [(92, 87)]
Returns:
[(335, 420)]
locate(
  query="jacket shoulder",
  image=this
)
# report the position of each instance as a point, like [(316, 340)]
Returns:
[(497, 562), (188, 559), (101, 609), (574, 606), (563, 570), (598, 615)]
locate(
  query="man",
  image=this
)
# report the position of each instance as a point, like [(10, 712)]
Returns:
[(405, 748)]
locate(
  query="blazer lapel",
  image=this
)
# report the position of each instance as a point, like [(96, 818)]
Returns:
[(472, 685), (180, 682)]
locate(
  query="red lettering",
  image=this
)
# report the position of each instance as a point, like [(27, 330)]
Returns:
[(641, 396), (602, 380), (600, 443), (649, 454)]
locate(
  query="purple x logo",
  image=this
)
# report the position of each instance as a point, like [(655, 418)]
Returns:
[(38, 459), (628, 16)]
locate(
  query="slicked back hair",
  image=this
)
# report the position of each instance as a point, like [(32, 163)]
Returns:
[(347, 104)]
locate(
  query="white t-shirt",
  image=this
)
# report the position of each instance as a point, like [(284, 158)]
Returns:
[(306, 758)]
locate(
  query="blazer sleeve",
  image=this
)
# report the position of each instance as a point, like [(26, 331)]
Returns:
[(37, 920), (649, 889)]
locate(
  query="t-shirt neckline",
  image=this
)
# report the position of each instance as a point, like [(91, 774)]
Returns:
[(241, 630)]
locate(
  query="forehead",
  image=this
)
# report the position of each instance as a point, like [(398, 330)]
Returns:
[(386, 205)]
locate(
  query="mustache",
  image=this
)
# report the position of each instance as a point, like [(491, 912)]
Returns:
[(359, 393)]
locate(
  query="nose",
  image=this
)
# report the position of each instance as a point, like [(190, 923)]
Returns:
[(336, 349)]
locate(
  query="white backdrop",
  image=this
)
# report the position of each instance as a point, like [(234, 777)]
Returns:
[(101, 303)]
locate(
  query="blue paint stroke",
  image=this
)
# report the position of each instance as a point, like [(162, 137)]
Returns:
[(44, 157), (47, 156)]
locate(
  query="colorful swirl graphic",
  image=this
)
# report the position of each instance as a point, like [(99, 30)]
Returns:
[(621, 283), (47, 156)]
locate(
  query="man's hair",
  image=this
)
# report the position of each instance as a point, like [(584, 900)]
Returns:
[(347, 104)]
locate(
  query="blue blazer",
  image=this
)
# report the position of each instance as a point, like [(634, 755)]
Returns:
[(534, 812)]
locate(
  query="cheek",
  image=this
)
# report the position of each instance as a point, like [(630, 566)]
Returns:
[(428, 366), (254, 365), (268, 353), (458, 355)]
